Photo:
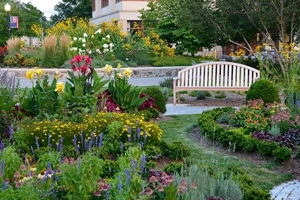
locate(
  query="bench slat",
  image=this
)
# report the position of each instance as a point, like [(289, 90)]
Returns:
[(223, 76)]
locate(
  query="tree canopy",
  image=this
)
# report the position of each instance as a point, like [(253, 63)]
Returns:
[(72, 8), (28, 15)]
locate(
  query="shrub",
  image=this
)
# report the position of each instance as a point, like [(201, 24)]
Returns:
[(173, 168), (168, 82), (193, 93), (266, 148), (282, 154), (10, 161), (175, 150), (263, 89), (201, 95), (158, 96), (220, 96), (249, 144)]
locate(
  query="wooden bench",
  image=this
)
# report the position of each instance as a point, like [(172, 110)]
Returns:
[(214, 76)]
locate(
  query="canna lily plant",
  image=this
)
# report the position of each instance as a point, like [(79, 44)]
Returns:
[(122, 92), (83, 84)]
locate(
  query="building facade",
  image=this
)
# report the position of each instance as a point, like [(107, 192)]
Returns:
[(125, 11)]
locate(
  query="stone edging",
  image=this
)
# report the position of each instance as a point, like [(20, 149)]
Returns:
[(138, 72)]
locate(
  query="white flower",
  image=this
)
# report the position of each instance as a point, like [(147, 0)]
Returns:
[(97, 50), (83, 45), (296, 48), (74, 38), (98, 31), (80, 38), (111, 44), (105, 46), (103, 38), (83, 40), (268, 48), (92, 36), (107, 36), (85, 35), (90, 52), (105, 50)]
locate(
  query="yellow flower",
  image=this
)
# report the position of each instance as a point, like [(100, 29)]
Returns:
[(119, 65), (59, 87), (127, 72), (56, 75), (30, 74), (38, 71), (108, 69), (119, 75)]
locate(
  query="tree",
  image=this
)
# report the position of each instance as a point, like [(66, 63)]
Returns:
[(72, 8), (239, 22), (27, 14), (161, 15)]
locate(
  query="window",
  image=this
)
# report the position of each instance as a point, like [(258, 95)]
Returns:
[(104, 3), (93, 5)]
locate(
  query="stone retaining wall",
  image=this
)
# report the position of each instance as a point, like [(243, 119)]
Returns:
[(138, 72)]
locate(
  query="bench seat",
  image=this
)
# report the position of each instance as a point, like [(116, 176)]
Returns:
[(214, 76)]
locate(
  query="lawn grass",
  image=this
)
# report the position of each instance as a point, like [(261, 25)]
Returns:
[(178, 128)]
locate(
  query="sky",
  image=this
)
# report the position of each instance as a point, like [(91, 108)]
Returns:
[(46, 6)]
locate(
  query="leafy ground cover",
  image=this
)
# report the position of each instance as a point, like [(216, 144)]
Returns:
[(208, 152)]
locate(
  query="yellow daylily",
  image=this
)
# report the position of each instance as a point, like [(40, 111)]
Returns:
[(127, 72), (30, 74), (59, 87), (108, 69)]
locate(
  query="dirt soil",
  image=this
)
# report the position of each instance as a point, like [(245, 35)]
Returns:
[(236, 99)]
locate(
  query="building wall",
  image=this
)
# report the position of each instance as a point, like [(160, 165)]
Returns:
[(123, 11)]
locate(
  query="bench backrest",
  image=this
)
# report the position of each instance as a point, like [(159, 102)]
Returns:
[(217, 74)]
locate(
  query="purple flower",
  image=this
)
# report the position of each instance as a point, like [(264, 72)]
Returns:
[(32, 151), (143, 163), (77, 148), (1, 145), (78, 165), (141, 144), (107, 195), (75, 141), (37, 142), (2, 166), (10, 131), (5, 184), (120, 183), (101, 139), (138, 133), (127, 173), (122, 146)]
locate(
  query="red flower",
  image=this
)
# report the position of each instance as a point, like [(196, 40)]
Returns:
[(88, 60)]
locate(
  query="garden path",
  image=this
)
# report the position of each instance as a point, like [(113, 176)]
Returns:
[(285, 191)]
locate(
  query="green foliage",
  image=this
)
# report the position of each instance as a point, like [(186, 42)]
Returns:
[(80, 178), (124, 94), (221, 186), (193, 93), (173, 167), (266, 148), (263, 89), (149, 113), (122, 124), (175, 150), (168, 82), (52, 157), (42, 100), (250, 144), (167, 61), (282, 154), (201, 95), (256, 194), (220, 96), (11, 160), (153, 152), (159, 98)]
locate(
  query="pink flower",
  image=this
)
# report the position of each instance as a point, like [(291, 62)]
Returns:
[(97, 193), (160, 188), (17, 174), (88, 60), (152, 179), (77, 58), (148, 192)]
